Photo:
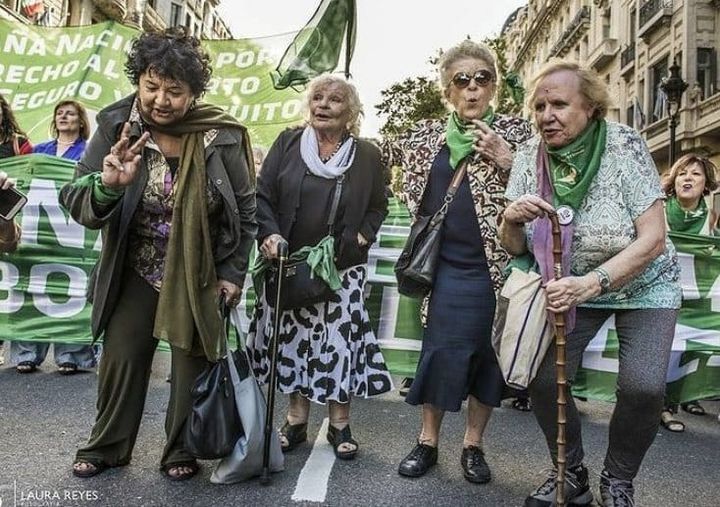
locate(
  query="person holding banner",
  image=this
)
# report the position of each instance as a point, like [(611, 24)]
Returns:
[(328, 352), (686, 184), (599, 177), (71, 129), (457, 361), (9, 229), (13, 142), (168, 180)]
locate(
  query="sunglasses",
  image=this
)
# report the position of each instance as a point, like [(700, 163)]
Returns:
[(481, 77)]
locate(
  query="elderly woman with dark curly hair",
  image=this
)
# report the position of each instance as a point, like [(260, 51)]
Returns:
[(167, 179)]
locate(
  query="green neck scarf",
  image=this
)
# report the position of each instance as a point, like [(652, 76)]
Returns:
[(680, 220), (187, 313), (460, 139), (573, 167)]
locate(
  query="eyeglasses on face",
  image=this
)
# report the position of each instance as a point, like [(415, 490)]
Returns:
[(482, 78)]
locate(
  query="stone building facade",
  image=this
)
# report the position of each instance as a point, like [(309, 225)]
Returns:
[(200, 17), (631, 44)]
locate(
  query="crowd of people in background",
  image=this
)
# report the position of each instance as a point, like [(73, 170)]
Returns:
[(170, 181)]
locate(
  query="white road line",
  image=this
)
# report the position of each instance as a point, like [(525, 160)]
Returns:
[(313, 480)]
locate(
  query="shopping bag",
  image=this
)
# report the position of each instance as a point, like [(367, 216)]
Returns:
[(521, 333), (246, 459)]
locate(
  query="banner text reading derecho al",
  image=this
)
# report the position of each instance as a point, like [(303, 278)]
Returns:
[(41, 66)]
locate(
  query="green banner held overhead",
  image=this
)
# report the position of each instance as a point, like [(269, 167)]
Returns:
[(41, 66), (316, 48)]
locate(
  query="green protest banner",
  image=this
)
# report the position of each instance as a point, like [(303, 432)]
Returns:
[(694, 370), (42, 291), (41, 66), (42, 287)]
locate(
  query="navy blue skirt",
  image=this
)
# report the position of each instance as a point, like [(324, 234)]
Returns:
[(457, 357)]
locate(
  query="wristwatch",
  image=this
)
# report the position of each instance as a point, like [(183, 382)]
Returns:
[(603, 279)]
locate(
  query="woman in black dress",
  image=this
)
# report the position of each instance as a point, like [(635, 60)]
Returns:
[(457, 361)]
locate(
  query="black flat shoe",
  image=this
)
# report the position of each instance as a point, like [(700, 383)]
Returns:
[(338, 437), (421, 459), (295, 434), (475, 468)]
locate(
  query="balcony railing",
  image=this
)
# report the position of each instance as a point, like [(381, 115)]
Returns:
[(113, 9), (654, 13), (603, 54), (152, 20), (577, 27), (627, 56)]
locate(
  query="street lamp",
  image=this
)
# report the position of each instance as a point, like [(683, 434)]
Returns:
[(673, 86)]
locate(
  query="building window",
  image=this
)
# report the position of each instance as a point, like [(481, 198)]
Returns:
[(175, 14), (606, 23), (630, 116), (706, 71), (633, 17), (659, 100)]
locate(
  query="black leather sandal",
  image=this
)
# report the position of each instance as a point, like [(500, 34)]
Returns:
[(192, 466), (95, 468), (338, 437), (295, 434)]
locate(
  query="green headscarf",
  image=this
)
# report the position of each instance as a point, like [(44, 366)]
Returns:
[(460, 139), (573, 167), (680, 220)]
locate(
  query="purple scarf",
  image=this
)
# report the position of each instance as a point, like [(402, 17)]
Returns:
[(542, 243)]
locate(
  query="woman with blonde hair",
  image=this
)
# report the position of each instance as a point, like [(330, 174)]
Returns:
[(71, 130), (328, 352), (599, 177)]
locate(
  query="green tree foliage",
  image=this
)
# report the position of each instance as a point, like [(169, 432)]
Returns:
[(407, 102)]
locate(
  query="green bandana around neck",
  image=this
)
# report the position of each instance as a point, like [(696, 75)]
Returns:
[(460, 139), (573, 167), (680, 220)]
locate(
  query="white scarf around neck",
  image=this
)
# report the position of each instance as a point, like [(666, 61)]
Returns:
[(338, 163)]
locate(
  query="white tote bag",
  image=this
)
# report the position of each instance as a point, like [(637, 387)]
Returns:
[(247, 457), (521, 332)]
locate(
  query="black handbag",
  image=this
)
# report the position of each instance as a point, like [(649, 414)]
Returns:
[(300, 287), (415, 267), (213, 426)]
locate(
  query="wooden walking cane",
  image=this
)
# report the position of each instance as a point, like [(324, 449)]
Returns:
[(559, 367), (282, 249)]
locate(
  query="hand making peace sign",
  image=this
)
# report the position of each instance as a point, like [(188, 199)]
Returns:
[(120, 166)]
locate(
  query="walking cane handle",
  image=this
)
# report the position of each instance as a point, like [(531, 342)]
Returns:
[(282, 249)]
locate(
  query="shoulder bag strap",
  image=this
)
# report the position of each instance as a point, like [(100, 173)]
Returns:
[(335, 203), (16, 144), (451, 191)]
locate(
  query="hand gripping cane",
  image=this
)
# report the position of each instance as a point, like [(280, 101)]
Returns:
[(282, 250), (559, 367)]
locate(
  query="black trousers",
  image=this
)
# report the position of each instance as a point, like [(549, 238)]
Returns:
[(123, 377)]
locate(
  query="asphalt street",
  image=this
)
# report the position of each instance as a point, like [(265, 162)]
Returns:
[(44, 417)]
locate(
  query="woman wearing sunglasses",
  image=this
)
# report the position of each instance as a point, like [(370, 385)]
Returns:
[(457, 361)]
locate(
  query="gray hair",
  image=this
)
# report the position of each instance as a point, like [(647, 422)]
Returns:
[(353, 97), (466, 49)]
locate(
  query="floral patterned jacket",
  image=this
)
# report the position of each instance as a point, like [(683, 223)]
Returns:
[(415, 152)]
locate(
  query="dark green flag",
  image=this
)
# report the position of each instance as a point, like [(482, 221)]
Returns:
[(316, 48)]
